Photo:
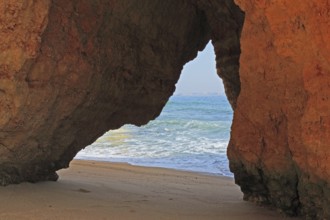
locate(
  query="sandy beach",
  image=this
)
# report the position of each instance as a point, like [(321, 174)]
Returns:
[(102, 190)]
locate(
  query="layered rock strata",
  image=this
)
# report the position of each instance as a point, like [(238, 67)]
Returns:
[(71, 70)]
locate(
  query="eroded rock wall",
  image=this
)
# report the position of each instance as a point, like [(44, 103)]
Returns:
[(279, 149), (71, 70), (225, 35)]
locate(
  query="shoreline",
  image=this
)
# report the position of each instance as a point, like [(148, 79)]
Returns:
[(154, 167), (104, 190)]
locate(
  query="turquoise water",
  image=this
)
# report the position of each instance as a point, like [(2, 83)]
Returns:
[(192, 133)]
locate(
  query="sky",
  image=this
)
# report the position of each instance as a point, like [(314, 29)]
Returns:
[(199, 76)]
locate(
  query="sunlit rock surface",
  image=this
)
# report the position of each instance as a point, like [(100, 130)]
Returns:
[(71, 70), (279, 148)]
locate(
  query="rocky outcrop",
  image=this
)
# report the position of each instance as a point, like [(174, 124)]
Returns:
[(279, 148), (226, 21), (71, 70)]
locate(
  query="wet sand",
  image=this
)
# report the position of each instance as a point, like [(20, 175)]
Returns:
[(102, 190)]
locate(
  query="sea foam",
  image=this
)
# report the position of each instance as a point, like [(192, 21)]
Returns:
[(192, 133)]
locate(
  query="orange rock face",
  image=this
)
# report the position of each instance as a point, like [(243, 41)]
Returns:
[(279, 149), (71, 70)]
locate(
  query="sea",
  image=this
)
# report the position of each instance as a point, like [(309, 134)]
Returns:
[(191, 133)]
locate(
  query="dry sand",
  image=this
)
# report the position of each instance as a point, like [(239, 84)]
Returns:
[(101, 190)]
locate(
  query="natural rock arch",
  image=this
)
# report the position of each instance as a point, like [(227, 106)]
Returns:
[(98, 65), (69, 65)]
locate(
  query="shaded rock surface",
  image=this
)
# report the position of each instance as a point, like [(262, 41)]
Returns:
[(71, 70)]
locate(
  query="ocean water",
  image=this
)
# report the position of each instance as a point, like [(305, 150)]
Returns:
[(192, 133)]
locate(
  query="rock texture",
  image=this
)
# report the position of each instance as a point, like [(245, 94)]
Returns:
[(71, 70), (279, 148)]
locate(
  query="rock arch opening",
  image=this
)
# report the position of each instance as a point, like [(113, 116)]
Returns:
[(92, 71), (71, 70), (191, 133)]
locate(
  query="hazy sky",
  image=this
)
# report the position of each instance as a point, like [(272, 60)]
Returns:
[(199, 75)]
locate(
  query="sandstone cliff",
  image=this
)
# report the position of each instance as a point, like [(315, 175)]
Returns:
[(71, 70), (279, 148)]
